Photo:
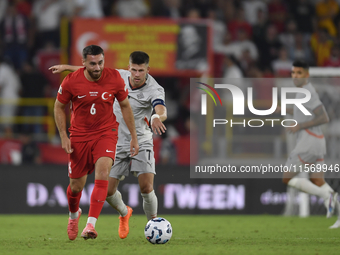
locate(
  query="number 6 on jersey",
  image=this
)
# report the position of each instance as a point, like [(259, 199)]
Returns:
[(93, 110)]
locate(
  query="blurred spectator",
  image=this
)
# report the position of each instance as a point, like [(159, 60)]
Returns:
[(30, 153), (260, 28), (304, 14), (89, 8), (277, 14), (334, 58), (219, 29), (269, 48), (193, 14), (246, 60), (238, 23), (251, 8), (47, 15), (236, 48), (326, 11), (131, 8), (3, 8), (231, 70), (24, 7), (283, 65), (321, 46), (15, 32), (300, 50), (166, 8), (9, 89), (34, 85), (288, 37)]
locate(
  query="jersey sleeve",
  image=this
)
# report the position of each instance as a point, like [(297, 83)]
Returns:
[(122, 93), (64, 93), (158, 97)]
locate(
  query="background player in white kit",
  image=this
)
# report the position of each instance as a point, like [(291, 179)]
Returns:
[(145, 95), (311, 145)]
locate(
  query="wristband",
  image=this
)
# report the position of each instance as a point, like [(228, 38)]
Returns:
[(154, 117)]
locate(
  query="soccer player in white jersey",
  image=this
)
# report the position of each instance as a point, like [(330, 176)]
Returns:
[(311, 145), (145, 95)]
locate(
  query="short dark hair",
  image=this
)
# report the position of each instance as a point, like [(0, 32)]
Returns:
[(139, 58), (92, 50), (301, 63)]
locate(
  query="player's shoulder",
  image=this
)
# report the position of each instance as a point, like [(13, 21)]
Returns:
[(111, 71), (74, 75), (154, 85), (124, 73)]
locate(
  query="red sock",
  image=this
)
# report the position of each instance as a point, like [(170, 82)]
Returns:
[(73, 200), (98, 197)]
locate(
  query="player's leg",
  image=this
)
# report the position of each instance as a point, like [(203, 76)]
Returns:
[(331, 203), (302, 184), (98, 196), (74, 191), (77, 171), (150, 202), (119, 170)]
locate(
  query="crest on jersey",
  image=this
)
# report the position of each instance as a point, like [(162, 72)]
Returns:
[(140, 95), (60, 90), (106, 95)]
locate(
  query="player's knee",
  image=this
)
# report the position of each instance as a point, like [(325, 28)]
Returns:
[(146, 189), (285, 180), (76, 188), (318, 181), (111, 192)]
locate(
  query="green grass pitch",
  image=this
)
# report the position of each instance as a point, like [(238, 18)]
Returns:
[(192, 234)]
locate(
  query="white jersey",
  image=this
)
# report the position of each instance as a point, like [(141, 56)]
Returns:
[(142, 101), (310, 139)]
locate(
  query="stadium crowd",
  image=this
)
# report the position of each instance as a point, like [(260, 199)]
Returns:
[(251, 38)]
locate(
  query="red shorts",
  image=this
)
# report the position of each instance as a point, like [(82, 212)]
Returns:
[(85, 154)]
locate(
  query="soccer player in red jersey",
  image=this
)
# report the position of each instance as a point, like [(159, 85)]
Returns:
[(93, 132)]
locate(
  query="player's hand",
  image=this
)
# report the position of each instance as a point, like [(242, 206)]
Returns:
[(134, 147), (57, 68), (293, 129), (157, 126), (66, 145)]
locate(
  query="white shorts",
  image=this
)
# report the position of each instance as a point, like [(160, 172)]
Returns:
[(143, 162)]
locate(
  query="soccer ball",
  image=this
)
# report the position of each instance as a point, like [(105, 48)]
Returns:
[(158, 231)]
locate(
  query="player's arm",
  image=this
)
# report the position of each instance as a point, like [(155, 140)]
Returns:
[(60, 120), (130, 123), (321, 117), (158, 118), (63, 68)]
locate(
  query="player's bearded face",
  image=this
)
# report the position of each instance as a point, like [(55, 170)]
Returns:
[(138, 74), (300, 76), (94, 65)]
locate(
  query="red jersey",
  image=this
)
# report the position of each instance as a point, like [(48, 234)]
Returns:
[(92, 103)]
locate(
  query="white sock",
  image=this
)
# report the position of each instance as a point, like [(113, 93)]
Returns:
[(307, 186), (92, 220), (117, 203), (150, 204), (73, 215)]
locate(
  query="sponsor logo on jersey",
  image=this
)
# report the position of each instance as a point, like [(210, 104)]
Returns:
[(93, 94), (81, 96)]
